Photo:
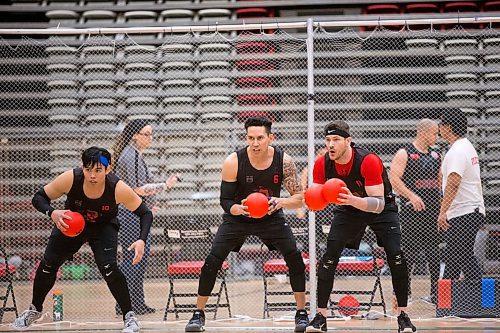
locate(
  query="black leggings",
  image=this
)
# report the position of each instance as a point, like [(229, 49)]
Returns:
[(231, 235), (103, 240)]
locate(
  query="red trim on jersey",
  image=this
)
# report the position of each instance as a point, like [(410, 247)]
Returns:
[(371, 170)]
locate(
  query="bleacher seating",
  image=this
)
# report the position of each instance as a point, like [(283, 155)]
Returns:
[(211, 83)]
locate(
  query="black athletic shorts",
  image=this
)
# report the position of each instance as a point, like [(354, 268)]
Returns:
[(275, 233), (102, 238), (350, 227)]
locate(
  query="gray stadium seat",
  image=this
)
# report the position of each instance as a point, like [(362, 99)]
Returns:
[(63, 120), (460, 60), (99, 71), (179, 104), (461, 44), (140, 69), (216, 103), (219, 84), (140, 53), (178, 68), (422, 43), (461, 78), (177, 49), (99, 106), (98, 53), (176, 120), (176, 15), (99, 87), (62, 88), (214, 50), (62, 71), (177, 85), (220, 68), (146, 87), (99, 16), (492, 60), (180, 155), (214, 14), (216, 119), (140, 16), (62, 16), (61, 53), (63, 105), (151, 118), (491, 43), (141, 104), (100, 121)]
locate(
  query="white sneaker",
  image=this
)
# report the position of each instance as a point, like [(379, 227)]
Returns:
[(27, 318), (131, 323)]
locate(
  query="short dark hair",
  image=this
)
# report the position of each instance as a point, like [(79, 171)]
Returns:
[(336, 125), (93, 155), (457, 119), (258, 121)]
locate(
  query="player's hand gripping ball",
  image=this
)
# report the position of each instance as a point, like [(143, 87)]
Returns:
[(75, 225), (314, 197), (257, 204), (332, 188)]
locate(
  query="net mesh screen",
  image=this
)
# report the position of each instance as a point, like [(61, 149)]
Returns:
[(195, 92)]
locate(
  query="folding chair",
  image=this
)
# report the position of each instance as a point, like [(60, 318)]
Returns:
[(187, 242), (6, 278), (275, 268)]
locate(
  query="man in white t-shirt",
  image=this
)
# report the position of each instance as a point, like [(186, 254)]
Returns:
[(462, 211)]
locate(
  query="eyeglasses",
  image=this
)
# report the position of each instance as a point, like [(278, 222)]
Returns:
[(146, 134)]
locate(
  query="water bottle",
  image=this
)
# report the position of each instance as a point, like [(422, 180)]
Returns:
[(57, 309)]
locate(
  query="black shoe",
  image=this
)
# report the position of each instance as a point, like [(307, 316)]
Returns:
[(197, 322), (144, 310), (301, 320), (404, 323), (318, 324)]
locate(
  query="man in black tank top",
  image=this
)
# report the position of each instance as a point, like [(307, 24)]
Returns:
[(255, 168), (368, 201), (95, 193), (415, 177)]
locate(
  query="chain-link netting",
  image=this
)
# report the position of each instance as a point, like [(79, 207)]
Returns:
[(194, 93), (392, 89)]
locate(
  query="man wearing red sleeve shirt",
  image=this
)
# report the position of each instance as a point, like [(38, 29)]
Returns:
[(368, 201)]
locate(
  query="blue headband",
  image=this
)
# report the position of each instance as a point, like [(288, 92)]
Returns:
[(103, 160)]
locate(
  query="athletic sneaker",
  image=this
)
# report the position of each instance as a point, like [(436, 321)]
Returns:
[(197, 322), (131, 323), (27, 318), (318, 324), (404, 324), (301, 320)]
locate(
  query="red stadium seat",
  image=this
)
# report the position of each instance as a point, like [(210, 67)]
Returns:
[(491, 6), (254, 47), (382, 9), (253, 82), (184, 248)]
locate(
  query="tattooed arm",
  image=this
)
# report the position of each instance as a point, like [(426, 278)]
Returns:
[(292, 184)]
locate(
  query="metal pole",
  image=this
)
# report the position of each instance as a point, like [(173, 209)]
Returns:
[(310, 161), (466, 18)]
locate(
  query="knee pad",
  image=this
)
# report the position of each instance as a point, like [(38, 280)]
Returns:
[(296, 271), (209, 275), (47, 269), (397, 264), (212, 264), (110, 271), (327, 267), (295, 263)]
